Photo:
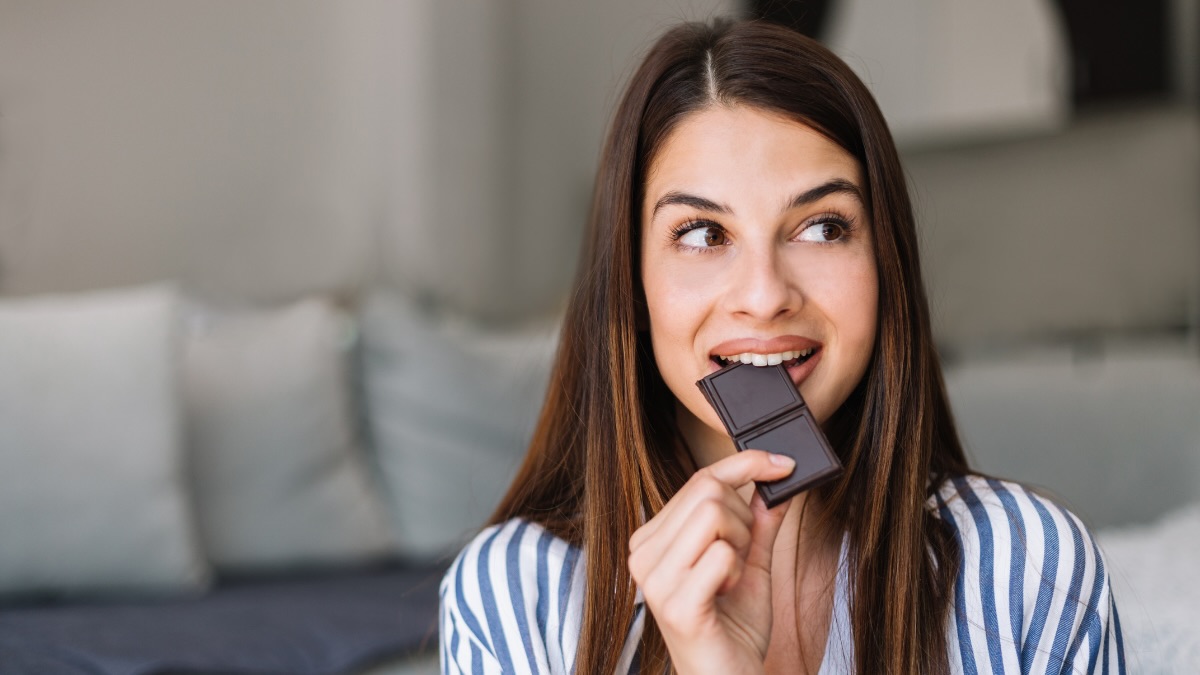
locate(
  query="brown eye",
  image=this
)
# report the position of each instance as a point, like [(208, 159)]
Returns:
[(831, 232), (824, 232), (704, 236)]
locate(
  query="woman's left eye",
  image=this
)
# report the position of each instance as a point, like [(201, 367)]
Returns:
[(824, 231)]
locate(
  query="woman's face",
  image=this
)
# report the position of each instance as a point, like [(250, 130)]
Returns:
[(756, 245)]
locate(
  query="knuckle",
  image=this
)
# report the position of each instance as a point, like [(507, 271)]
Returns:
[(637, 566), (710, 512), (676, 612), (707, 486), (655, 591), (723, 552)]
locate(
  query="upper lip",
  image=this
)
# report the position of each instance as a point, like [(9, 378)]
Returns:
[(775, 345)]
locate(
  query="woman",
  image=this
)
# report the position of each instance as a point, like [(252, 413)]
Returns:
[(750, 205)]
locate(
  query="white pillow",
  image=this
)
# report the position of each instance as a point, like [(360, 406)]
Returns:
[(451, 407), (92, 494), (1153, 571), (278, 478)]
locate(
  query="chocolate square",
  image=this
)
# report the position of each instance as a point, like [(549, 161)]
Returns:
[(761, 409)]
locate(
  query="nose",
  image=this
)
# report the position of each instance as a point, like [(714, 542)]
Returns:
[(761, 287)]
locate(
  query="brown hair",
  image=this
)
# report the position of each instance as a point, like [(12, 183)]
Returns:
[(605, 450)]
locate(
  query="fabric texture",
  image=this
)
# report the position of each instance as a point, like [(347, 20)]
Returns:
[(278, 477), (1154, 572), (92, 490), (1032, 595), (313, 625), (451, 405)]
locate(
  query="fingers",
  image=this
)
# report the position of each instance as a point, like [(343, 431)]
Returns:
[(763, 531), (750, 465), (719, 480), (707, 510), (680, 511), (699, 547), (717, 570), (662, 561)]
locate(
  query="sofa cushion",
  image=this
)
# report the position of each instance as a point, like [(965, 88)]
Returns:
[(323, 624), (1112, 432), (279, 479), (451, 406), (92, 488)]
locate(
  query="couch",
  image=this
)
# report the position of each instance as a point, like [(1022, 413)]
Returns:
[(187, 487), (192, 489)]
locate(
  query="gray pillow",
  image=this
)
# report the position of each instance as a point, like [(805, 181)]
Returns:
[(1112, 434), (92, 492), (278, 478), (451, 407)]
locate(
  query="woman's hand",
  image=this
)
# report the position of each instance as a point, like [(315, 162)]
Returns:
[(704, 566)]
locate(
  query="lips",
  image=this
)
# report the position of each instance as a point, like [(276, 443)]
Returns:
[(798, 354)]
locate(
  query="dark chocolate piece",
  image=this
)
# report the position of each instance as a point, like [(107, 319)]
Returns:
[(761, 409)]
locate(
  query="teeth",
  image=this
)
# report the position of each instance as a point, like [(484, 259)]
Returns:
[(766, 359)]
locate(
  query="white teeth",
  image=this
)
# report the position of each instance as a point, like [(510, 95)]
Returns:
[(766, 359)]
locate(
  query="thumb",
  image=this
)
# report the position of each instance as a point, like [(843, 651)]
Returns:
[(763, 531)]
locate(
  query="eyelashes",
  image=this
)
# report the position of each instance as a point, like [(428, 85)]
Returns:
[(703, 235)]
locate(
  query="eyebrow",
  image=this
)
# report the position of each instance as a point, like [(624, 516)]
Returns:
[(674, 197), (835, 186)]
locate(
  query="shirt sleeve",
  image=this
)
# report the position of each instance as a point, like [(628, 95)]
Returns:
[(506, 603), (1032, 592), (462, 652)]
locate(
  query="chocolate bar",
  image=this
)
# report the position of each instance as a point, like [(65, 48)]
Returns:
[(761, 409)]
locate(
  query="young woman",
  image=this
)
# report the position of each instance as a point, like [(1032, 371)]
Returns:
[(750, 205)]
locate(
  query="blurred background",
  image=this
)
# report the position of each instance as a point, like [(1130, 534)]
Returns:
[(441, 152), (264, 151)]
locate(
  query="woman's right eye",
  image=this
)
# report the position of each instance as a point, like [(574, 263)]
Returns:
[(703, 236)]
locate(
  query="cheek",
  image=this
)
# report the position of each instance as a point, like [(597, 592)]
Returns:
[(677, 306), (677, 301), (862, 307)]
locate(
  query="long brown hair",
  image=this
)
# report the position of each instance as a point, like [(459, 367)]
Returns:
[(605, 451)]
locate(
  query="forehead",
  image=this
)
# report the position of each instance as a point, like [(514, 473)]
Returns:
[(720, 147)]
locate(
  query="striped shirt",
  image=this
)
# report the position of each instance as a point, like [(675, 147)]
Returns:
[(1032, 594)]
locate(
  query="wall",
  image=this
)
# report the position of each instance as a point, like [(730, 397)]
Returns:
[(1060, 237), (207, 141), (260, 151)]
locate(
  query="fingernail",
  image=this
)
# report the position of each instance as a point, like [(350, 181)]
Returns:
[(782, 460)]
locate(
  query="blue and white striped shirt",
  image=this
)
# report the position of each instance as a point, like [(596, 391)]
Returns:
[(1032, 594)]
